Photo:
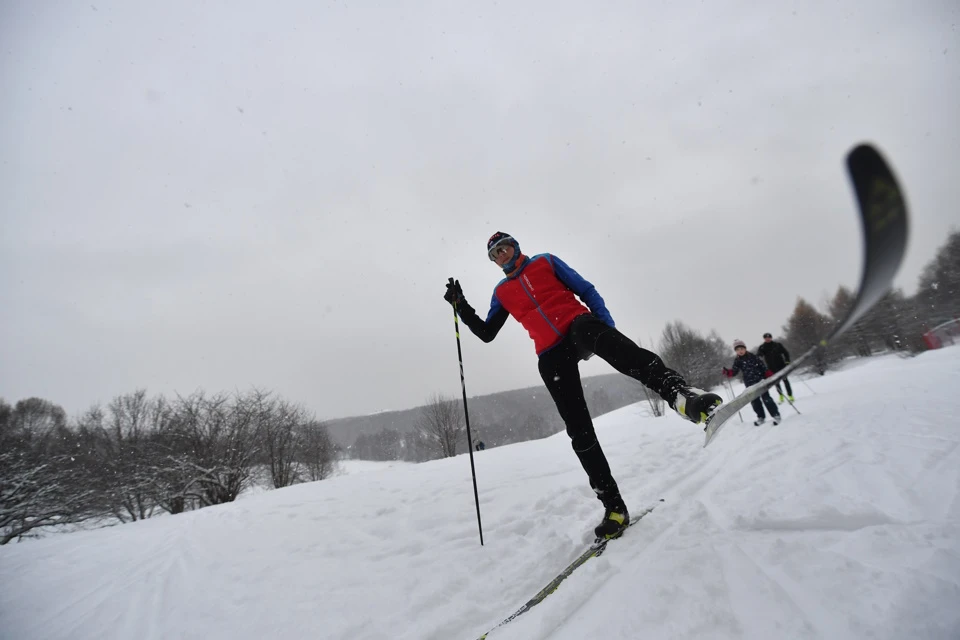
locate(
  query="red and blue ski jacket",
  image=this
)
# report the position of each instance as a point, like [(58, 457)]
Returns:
[(542, 295)]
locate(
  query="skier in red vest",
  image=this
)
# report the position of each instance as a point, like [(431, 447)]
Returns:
[(542, 293)]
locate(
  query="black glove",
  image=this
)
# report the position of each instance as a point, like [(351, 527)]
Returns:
[(454, 294)]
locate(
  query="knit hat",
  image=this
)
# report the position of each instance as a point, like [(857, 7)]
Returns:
[(500, 238), (739, 343)]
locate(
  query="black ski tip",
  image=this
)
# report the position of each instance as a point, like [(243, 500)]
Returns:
[(864, 160), (863, 150), (883, 209), (882, 204)]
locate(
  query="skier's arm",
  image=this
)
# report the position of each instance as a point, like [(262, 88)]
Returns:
[(487, 329), (786, 354), (584, 289)]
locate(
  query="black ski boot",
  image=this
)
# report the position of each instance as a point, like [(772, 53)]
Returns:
[(615, 519), (696, 405)]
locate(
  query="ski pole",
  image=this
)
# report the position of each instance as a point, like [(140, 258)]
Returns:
[(732, 396), (790, 402), (466, 416), (808, 386)]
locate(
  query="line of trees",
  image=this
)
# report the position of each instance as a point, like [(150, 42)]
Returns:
[(440, 431), (143, 455), (896, 323)]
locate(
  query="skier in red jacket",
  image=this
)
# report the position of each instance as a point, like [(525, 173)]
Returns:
[(542, 293)]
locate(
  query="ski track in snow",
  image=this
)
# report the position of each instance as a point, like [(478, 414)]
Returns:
[(843, 522)]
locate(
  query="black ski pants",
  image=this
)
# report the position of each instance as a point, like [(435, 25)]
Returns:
[(786, 383), (559, 368), (767, 400)]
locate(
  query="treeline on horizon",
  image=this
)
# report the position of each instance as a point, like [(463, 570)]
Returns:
[(140, 456)]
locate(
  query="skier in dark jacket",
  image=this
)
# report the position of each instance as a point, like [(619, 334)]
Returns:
[(754, 370), (542, 293), (777, 357)]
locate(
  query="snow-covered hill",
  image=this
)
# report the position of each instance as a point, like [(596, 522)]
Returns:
[(843, 522)]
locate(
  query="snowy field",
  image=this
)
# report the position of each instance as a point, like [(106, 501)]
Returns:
[(843, 522), (354, 467)]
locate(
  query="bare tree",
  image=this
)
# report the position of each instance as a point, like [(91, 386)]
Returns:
[(939, 285), (277, 423), (442, 424), (40, 492), (805, 328), (856, 340), (37, 422), (888, 322), (41, 484), (316, 453), (699, 359), (130, 421), (221, 445)]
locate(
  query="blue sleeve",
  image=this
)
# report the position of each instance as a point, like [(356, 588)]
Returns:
[(584, 289), (495, 307)]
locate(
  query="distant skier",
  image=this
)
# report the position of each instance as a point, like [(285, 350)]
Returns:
[(480, 446), (542, 293), (777, 357), (754, 370)]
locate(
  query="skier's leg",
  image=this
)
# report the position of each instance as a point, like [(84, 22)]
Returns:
[(758, 407), (771, 405), (786, 383), (591, 335), (561, 375)]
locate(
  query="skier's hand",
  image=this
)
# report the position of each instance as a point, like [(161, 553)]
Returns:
[(454, 294), (768, 374), (727, 372)]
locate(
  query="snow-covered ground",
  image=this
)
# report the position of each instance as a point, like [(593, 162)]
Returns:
[(843, 522), (353, 467)]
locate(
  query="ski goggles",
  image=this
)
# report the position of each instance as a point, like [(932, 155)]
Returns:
[(499, 248)]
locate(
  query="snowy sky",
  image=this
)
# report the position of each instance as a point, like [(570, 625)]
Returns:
[(224, 194)]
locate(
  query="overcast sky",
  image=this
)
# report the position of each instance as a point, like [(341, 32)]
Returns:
[(221, 195)]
